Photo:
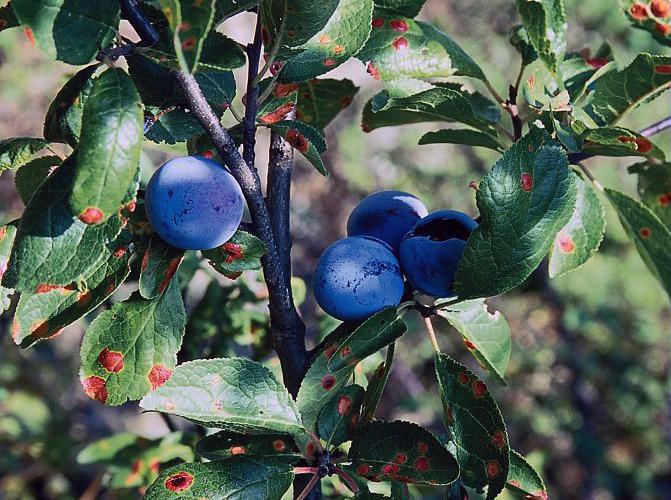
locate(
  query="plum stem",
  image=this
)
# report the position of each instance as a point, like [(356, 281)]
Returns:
[(432, 333)]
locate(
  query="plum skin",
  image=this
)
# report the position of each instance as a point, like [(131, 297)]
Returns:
[(431, 251), (356, 277), (194, 203), (387, 216)]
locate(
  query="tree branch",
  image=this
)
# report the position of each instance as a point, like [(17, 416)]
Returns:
[(252, 99)]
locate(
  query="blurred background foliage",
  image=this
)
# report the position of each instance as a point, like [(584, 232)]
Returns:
[(588, 398)]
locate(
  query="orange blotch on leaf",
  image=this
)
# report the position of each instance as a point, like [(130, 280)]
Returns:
[(344, 405), (643, 145), (173, 265), (663, 69), (422, 464), (663, 29), (377, 22), (401, 43), (278, 115), (463, 378), (120, 252), (237, 449), (363, 469), (234, 251), (527, 182), (329, 62), (327, 382), (597, 62), (324, 39), (566, 243), (330, 351), (284, 89), (638, 11), (645, 233), (112, 361), (95, 388), (338, 49), (279, 445), (40, 329), (297, 140), (346, 351), (399, 25), (207, 154), (179, 482), (158, 375), (400, 458), (660, 8), (189, 43), (498, 439), (372, 71), (390, 469), (479, 389), (469, 345), (422, 447), (493, 468), (91, 215), (30, 35)]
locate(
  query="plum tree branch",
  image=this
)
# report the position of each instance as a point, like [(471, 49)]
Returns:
[(252, 99)]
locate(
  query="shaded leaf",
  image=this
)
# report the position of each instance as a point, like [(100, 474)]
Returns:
[(320, 100), (18, 151), (523, 478), (156, 86), (519, 38), (7, 235), (306, 139), (171, 125), (654, 188), (229, 8), (618, 141), (32, 174), (302, 21), (225, 444), (461, 136), (159, 264), (340, 416), (376, 384), (242, 252), (546, 24), (408, 8)]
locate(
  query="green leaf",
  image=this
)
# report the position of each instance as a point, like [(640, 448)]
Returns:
[(18, 151), (400, 47), (242, 252), (524, 201), (190, 22), (523, 478), (320, 100), (237, 478), (651, 236), (375, 333), (476, 426), (232, 394), (546, 25), (72, 31), (229, 8), (401, 451), (339, 417), (654, 188), (171, 125), (618, 141), (618, 92), (376, 384), (63, 122), (54, 247), (225, 444), (580, 238), (306, 139), (30, 176), (302, 21), (159, 264), (541, 93), (461, 136), (341, 38), (486, 335), (131, 349), (43, 313), (108, 156), (7, 236), (409, 8), (519, 38), (443, 103), (156, 86)]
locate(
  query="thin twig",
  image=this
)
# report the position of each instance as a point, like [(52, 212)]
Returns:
[(308, 488), (500, 100), (432, 333), (656, 128), (252, 99), (279, 37)]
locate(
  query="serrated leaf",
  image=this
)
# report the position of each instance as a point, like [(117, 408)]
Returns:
[(468, 137), (320, 100), (159, 264), (651, 236), (579, 69), (537, 188), (341, 38), (306, 139), (401, 451), (302, 21), (171, 125), (486, 335), (225, 444), (400, 47), (242, 252), (210, 393), (375, 333), (52, 246), (7, 236), (72, 31), (18, 151), (476, 426), (580, 238), (541, 93), (444, 103), (339, 417), (63, 122), (43, 313), (617, 92), (523, 478), (28, 178), (131, 349), (618, 141), (229, 8), (376, 384), (545, 22), (659, 28), (237, 478), (156, 86), (654, 188), (409, 8), (108, 156)]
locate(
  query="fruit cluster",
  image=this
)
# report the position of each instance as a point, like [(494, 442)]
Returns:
[(390, 235)]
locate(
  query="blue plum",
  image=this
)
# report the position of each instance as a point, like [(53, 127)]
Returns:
[(386, 215), (431, 251), (194, 203), (356, 277)]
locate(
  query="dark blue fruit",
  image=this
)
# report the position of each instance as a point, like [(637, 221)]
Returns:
[(431, 251), (194, 203), (357, 277), (386, 215)]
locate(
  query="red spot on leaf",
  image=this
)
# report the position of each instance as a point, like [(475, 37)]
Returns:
[(400, 458), (112, 361), (345, 101), (401, 43), (275, 67), (665, 199), (278, 115), (377, 22), (45, 288), (660, 8), (3, 232), (310, 448), (346, 351), (398, 25), (207, 154), (145, 260), (638, 11), (338, 49), (137, 465), (173, 265), (474, 185), (372, 71), (158, 375), (344, 405), (40, 328), (390, 469), (597, 62), (663, 69), (120, 252), (95, 388), (645, 233), (324, 39), (111, 286), (493, 468), (663, 29), (91, 215), (422, 447), (329, 62), (218, 405), (327, 382), (514, 483), (469, 345), (422, 464), (234, 251), (330, 351), (365, 127), (643, 145), (238, 449), (179, 482), (463, 378), (527, 182), (189, 43), (479, 389), (498, 439), (566, 243), (297, 140), (3, 24), (284, 89), (154, 465), (29, 34), (363, 469), (279, 445)]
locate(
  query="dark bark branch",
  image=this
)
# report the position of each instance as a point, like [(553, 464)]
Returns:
[(252, 96)]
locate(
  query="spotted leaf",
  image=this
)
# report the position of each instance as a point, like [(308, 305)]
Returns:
[(546, 25), (171, 125), (618, 141), (159, 264), (18, 151), (476, 426), (132, 348), (7, 235), (225, 444), (295, 22), (242, 252), (339, 418), (320, 100), (524, 480), (306, 139), (376, 384), (32, 174), (654, 188), (657, 23), (403, 452)]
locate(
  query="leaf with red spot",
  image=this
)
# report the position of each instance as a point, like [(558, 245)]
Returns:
[(225, 444), (306, 139), (486, 335), (524, 480), (236, 478), (340, 416), (18, 151), (401, 451), (545, 23), (618, 141), (320, 100), (61, 306), (651, 236), (242, 252), (210, 393), (518, 228), (377, 381), (146, 333), (659, 26), (159, 264), (654, 188), (580, 238), (7, 235), (476, 426)]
